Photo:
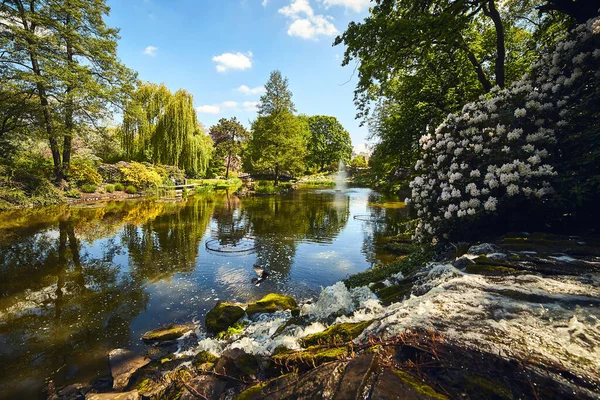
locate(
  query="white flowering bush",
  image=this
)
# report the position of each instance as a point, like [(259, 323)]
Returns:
[(505, 148)]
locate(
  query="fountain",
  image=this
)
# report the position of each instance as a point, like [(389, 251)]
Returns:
[(340, 178)]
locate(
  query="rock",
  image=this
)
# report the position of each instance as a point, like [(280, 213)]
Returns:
[(133, 395), (271, 303), (149, 388), (237, 363), (73, 392), (315, 355), (320, 383), (484, 248), (204, 357), (166, 333), (462, 262), (497, 256), (207, 386), (356, 376), (123, 364), (402, 386), (222, 317), (336, 334)]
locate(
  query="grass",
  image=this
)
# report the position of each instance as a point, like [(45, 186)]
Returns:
[(218, 184)]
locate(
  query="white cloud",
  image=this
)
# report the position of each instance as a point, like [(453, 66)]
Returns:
[(150, 51), (354, 5), (208, 109), (227, 61), (246, 90), (305, 23), (250, 105)]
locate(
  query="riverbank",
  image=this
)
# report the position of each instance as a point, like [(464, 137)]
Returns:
[(516, 318)]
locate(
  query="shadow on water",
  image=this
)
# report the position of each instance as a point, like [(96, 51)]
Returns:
[(77, 282)]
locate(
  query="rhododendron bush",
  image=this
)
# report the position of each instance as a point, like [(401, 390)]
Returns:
[(505, 148)]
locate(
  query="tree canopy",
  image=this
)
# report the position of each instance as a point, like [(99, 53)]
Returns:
[(328, 143), (229, 137), (277, 97)]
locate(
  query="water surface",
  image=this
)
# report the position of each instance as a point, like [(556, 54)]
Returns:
[(76, 282)]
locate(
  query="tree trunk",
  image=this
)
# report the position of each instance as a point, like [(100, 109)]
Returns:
[(228, 164), (69, 125), (487, 85), (493, 13), (276, 174)]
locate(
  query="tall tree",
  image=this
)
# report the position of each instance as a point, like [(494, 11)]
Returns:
[(228, 137), (63, 53), (329, 142), (277, 97)]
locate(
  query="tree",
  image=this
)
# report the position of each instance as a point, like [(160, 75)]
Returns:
[(329, 142), (228, 137), (277, 144), (277, 97), (63, 53)]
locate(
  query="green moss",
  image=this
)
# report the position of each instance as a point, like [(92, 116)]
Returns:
[(236, 329), (419, 386), (222, 317), (335, 334), (311, 356), (251, 392), (395, 293), (271, 303), (169, 332), (204, 357), (147, 386), (488, 389), (492, 270)]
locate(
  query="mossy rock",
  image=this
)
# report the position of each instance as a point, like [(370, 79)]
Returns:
[(166, 333), (148, 388), (298, 321), (487, 389), (252, 392), (222, 317), (235, 329), (492, 270), (336, 334), (395, 293), (271, 303), (419, 386), (311, 356), (204, 357)]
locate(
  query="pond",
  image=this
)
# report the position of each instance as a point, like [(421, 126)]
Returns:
[(79, 281)]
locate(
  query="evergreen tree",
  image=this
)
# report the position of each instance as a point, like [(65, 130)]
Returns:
[(228, 137), (277, 97)]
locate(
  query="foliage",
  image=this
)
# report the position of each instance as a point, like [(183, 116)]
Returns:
[(328, 143), (162, 127), (138, 175), (109, 188), (83, 172), (359, 162), (131, 189), (110, 172), (229, 137), (119, 186), (87, 188), (73, 193), (277, 97), (501, 154)]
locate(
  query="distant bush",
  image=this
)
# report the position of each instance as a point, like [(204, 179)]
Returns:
[(73, 193), (82, 172), (119, 186), (131, 189), (139, 175), (87, 188), (110, 172), (109, 188)]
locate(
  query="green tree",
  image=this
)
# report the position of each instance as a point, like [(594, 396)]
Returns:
[(329, 142), (63, 54), (277, 145), (228, 137), (277, 97)]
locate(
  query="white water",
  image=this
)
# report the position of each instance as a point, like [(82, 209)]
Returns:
[(341, 176)]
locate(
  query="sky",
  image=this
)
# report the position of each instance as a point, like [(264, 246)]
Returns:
[(223, 52)]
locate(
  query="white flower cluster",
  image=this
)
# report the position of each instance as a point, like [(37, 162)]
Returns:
[(499, 148)]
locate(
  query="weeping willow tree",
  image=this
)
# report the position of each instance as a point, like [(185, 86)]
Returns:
[(162, 127)]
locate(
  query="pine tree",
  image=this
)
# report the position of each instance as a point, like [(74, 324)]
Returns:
[(277, 97), (228, 137)]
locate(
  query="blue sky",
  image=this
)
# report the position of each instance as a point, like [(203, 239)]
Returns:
[(223, 51)]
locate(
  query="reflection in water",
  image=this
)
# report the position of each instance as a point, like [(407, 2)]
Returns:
[(76, 282)]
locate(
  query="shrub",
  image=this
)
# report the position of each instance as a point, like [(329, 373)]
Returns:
[(110, 172), (119, 186), (501, 152), (138, 175), (87, 188), (109, 188), (73, 193), (130, 189), (82, 172)]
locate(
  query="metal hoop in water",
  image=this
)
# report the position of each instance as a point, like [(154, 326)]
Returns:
[(369, 218), (243, 245)]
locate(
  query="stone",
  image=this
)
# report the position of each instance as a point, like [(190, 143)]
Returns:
[(462, 262), (356, 376), (497, 256), (223, 316), (271, 303), (484, 248), (336, 334), (320, 383), (207, 386), (166, 333), (399, 385), (123, 364), (133, 395), (237, 363)]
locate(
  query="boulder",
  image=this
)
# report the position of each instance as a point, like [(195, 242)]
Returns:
[(271, 303), (123, 364), (168, 332), (356, 376), (207, 386), (399, 385), (462, 262), (133, 395), (336, 334), (222, 317), (484, 248)]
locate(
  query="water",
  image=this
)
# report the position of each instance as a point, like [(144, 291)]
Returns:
[(340, 177), (76, 282)]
